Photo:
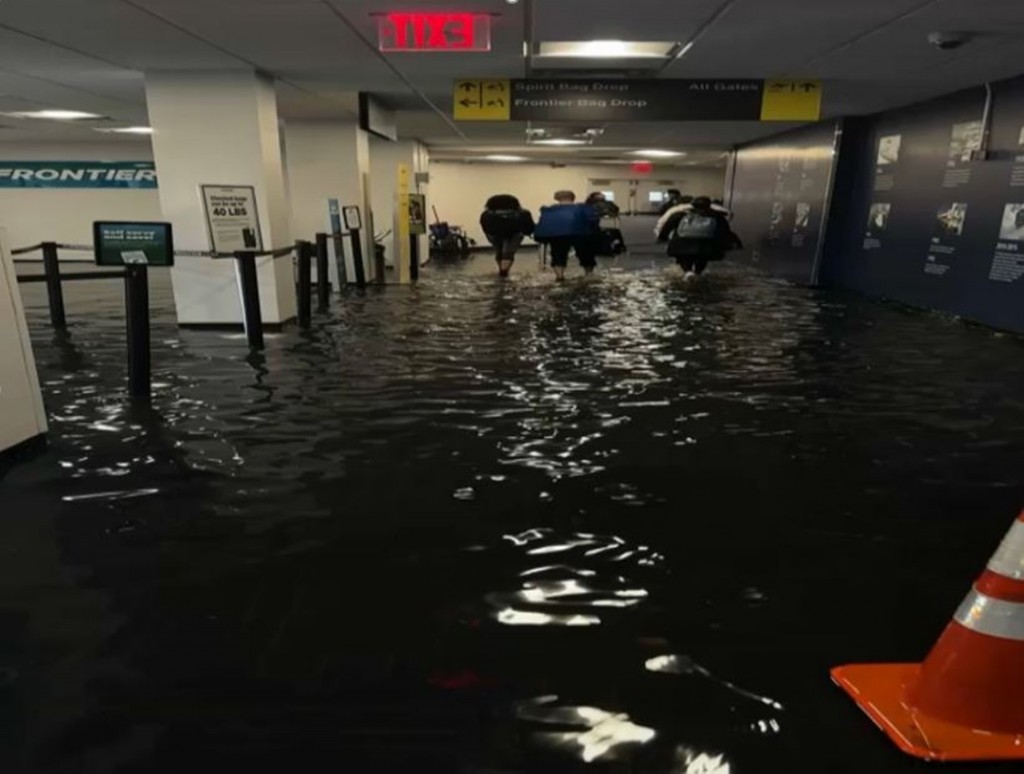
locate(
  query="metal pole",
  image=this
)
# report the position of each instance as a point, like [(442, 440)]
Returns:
[(136, 307), (380, 269), (414, 257), (357, 258), (54, 290), (339, 259), (323, 285), (246, 263), (304, 250)]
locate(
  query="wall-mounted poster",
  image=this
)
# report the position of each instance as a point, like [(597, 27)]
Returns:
[(1012, 227), (803, 215), (889, 149), (965, 141), (878, 217), (950, 220), (353, 218)]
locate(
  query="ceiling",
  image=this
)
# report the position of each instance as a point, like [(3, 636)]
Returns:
[(92, 55)]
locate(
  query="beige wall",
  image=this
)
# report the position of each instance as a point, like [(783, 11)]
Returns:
[(459, 190), (33, 215)]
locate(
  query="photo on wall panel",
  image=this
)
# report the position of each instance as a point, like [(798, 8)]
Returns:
[(878, 216), (951, 219), (1012, 228), (803, 216), (965, 140), (889, 149)]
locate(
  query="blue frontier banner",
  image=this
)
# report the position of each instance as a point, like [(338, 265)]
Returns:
[(77, 174)]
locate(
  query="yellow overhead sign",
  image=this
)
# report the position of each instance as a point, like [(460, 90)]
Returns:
[(483, 100), (794, 100)]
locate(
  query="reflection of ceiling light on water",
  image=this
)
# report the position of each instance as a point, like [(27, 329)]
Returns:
[(512, 617), (692, 762), (597, 733)]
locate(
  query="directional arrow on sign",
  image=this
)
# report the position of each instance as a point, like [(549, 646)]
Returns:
[(467, 86), (496, 103), (469, 103), (496, 86)]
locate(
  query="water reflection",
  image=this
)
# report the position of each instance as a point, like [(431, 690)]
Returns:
[(593, 733), (592, 577), (374, 542)]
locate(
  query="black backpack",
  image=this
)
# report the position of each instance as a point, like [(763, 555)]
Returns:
[(502, 223), (697, 225)]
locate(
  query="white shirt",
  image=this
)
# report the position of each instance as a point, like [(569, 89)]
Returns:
[(664, 219)]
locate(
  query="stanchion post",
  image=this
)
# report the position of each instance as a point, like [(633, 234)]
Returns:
[(339, 259), (323, 284), (304, 251), (414, 257), (245, 261), (136, 307), (54, 289), (357, 258)]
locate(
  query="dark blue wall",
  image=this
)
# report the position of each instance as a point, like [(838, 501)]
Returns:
[(775, 183), (916, 258), (922, 223)]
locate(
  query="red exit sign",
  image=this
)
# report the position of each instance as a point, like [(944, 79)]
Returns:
[(410, 31)]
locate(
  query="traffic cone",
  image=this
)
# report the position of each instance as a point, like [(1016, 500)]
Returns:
[(966, 701)]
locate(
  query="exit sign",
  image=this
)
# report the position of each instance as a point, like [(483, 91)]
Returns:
[(410, 31)]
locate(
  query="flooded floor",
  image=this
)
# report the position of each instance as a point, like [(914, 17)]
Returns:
[(622, 525)]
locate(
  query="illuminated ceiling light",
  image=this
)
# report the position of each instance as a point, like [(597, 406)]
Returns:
[(128, 130), (608, 49), (652, 153), (55, 115), (504, 157), (563, 141)]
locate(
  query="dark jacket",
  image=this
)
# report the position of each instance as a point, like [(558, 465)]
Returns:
[(504, 218), (606, 209), (714, 249), (567, 220)]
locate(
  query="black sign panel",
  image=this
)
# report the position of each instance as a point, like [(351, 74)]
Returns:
[(597, 100), (636, 100), (780, 198)]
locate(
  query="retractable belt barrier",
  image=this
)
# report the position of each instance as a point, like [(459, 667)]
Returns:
[(137, 291)]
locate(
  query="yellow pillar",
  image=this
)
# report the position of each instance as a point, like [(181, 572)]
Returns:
[(403, 253)]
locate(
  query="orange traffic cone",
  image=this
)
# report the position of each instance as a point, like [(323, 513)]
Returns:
[(966, 701)]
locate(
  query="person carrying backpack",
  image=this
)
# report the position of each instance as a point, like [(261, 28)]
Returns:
[(506, 224), (702, 234), (673, 197), (566, 226)]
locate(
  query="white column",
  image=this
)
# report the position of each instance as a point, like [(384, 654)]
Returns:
[(327, 160), (22, 416), (220, 129), (384, 160)]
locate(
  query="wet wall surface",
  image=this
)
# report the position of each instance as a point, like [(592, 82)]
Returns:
[(623, 525)]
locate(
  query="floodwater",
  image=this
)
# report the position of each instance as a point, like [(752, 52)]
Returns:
[(620, 525)]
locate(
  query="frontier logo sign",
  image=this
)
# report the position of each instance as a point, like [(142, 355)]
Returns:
[(77, 174), (401, 31)]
